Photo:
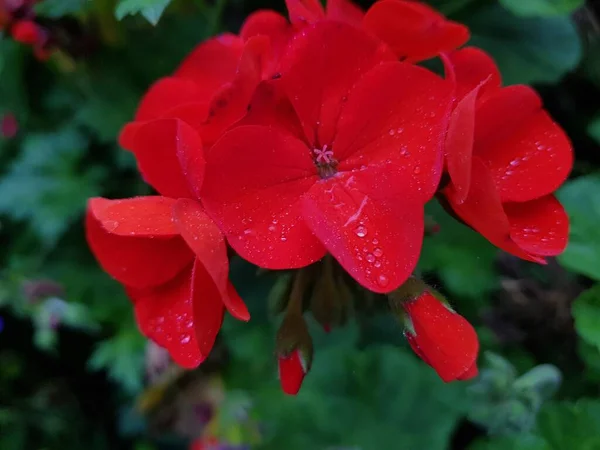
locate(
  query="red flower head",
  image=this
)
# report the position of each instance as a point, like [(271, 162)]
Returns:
[(441, 337), (26, 32), (168, 253), (351, 177), (505, 157)]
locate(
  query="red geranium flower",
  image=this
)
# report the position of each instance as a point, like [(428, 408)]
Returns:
[(167, 252), (26, 32), (505, 157), (442, 338), (355, 181)]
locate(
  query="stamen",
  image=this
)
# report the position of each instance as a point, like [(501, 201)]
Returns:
[(324, 156)]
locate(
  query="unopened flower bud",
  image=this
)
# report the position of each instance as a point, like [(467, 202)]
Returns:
[(294, 350)]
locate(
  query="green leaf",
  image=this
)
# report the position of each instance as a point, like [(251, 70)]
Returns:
[(542, 8), (527, 50), (122, 357), (150, 9), (59, 8), (581, 199), (573, 426), (594, 129), (463, 259), (521, 442), (586, 312), (45, 186)]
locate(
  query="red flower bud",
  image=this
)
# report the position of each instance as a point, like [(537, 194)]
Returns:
[(26, 32), (292, 369), (294, 352), (442, 338)]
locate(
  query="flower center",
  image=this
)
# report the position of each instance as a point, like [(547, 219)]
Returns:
[(325, 162)]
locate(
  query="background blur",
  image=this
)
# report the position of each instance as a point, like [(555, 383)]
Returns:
[(76, 374)]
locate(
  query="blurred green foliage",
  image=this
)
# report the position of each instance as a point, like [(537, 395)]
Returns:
[(78, 354)]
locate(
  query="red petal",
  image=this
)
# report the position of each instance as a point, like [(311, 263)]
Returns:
[(471, 67), (318, 76), (138, 216), (157, 145), (271, 107), (26, 32), (168, 93), (276, 27), (446, 339), (231, 104), (304, 11), (208, 308), (396, 116), (528, 153), (414, 31), (252, 188), (165, 315), (540, 227), (458, 149), (133, 260), (212, 63), (345, 11), (207, 242), (291, 372), (483, 210), (471, 372), (376, 241)]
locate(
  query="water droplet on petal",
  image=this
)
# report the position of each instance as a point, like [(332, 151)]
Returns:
[(382, 280), (110, 225), (378, 252), (185, 339), (377, 264), (392, 132), (360, 231), (375, 242), (417, 170), (370, 258)]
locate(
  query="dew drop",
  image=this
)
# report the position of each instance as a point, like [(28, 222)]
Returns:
[(271, 228), (377, 264), (378, 252), (375, 241), (110, 225), (370, 258), (361, 231), (283, 239), (417, 170), (185, 339), (382, 280), (392, 132)]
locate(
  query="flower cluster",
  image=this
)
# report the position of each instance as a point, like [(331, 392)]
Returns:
[(311, 145), (18, 18)]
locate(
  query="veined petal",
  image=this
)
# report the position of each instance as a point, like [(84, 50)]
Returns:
[(165, 315), (345, 11), (137, 216), (471, 67), (137, 261), (208, 308), (157, 144), (212, 63), (321, 65), (255, 178), (396, 115), (377, 241), (528, 154), (539, 227), (207, 242), (302, 12)]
